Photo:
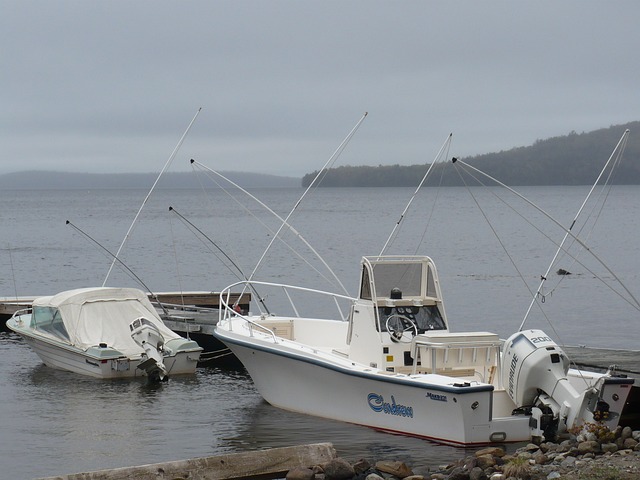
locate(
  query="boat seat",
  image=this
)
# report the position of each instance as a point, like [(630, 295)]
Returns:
[(448, 353)]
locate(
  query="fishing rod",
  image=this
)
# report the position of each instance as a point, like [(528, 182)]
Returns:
[(568, 233), (242, 275), (120, 262), (322, 171), (135, 219), (291, 228), (424, 177)]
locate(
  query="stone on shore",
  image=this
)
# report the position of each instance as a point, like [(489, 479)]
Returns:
[(338, 469), (395, 468), (608, 455), (494, 451)]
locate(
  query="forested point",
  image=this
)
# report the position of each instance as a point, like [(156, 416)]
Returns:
[(573, 159)]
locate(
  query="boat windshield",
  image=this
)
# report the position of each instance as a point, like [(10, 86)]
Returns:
[(403, 277), (48, 319)]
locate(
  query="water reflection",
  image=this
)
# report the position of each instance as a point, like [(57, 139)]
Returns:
[(270, 427)]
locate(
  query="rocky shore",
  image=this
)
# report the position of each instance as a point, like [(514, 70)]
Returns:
[(594, 453)]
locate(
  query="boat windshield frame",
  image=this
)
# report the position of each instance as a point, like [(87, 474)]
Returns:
[(399, 277), (398, 283)]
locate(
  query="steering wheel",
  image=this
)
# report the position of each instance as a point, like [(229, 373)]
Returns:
[(401, 329)]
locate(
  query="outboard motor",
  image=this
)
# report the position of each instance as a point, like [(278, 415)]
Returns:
[(534, 374), (147, 335)]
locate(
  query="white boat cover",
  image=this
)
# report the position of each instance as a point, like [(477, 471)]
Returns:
[(102, 315)]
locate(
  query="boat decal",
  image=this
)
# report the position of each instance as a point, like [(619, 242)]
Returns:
[(437, 396), (543, 339), (512, 372), (377, 404), (91, 363)]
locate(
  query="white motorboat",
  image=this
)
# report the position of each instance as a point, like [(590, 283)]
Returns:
[(104, 332), (391, 363)]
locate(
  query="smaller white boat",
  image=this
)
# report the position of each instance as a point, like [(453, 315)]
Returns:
[(104, 332)]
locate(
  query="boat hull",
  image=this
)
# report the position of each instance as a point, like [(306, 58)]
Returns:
[(103, 363), (456, 415)]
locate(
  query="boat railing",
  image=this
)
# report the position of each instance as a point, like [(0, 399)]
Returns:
[(397, 258), (228, 310), (22, 311), (18, 314)]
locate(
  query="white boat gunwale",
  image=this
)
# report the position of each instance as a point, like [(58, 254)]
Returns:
[(364, 371)]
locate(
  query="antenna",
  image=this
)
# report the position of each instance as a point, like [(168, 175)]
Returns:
[(166, 165), (240, 271), (332, 159), (404, 212), (291, 228)]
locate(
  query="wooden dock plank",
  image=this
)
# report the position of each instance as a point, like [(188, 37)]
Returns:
[(626, 361), (10, 305), (271, 463), (201, 299)]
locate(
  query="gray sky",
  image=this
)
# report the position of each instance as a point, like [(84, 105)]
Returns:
[(111, 86)]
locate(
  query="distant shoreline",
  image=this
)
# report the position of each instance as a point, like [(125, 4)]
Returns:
[(48, 180), (573, 159)]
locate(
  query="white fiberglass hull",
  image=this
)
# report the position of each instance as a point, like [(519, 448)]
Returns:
[(291, 376), (102, 363)]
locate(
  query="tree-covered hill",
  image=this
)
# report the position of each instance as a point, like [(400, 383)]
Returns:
[(573, 159)]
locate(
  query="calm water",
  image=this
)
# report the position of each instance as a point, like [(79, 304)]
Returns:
[(65, 423)]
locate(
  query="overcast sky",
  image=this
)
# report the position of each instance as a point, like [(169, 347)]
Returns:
[(111, 86)]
